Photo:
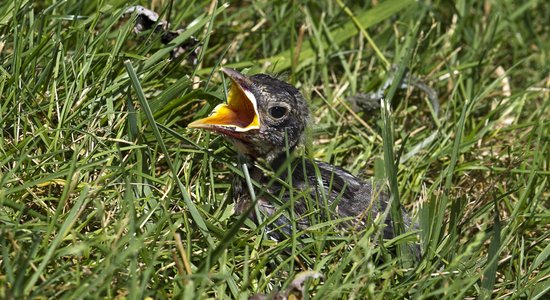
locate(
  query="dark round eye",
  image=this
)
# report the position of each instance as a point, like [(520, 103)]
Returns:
[(277, 112)]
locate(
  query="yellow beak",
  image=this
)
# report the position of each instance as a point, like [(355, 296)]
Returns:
[(239, 114)]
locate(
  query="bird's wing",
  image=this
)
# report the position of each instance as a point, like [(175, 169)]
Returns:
[(315, 193)]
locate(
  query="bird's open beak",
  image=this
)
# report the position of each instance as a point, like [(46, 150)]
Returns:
[(240, 114)]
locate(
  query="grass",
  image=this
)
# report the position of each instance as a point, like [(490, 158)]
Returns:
[(104, 192)]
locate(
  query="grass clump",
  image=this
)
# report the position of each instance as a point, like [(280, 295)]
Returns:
[(104, 193)]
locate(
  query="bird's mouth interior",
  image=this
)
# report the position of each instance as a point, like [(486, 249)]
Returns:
[(239, 114)]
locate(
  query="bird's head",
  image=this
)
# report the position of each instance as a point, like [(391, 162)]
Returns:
[(263, 115)]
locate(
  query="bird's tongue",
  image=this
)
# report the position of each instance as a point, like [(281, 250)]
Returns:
[(239, 114)]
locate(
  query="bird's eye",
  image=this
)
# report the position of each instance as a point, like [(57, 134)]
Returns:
[(277, 112)]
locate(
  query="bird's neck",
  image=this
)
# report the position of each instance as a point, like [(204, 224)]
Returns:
[(275, 162), (282, 159)]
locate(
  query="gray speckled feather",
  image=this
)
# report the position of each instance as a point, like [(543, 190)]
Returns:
[(333, 192)]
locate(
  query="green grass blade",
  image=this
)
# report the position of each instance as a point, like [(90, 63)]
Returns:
[(196, 216)]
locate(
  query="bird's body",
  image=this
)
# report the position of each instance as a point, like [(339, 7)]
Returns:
[(320, 192), (265, 119)]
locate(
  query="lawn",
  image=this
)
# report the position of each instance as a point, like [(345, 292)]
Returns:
[(105, 192)]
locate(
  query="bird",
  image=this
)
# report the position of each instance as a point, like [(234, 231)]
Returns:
[(265, 120)]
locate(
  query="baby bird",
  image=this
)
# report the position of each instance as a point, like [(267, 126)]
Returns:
[(265, 118)]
